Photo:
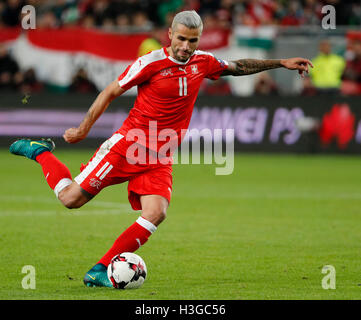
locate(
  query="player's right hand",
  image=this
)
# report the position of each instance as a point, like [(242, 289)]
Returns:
[(73, 135)]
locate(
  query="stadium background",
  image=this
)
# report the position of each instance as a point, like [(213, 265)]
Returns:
[(78, 47), (50, 76)]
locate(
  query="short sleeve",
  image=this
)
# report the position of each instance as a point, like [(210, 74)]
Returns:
[(134, 74), (216, 67)]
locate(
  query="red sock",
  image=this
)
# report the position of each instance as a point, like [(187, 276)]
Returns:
[(56, 173), (130, 240)]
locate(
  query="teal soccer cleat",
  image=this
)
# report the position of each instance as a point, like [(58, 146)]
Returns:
[(97, 277), (31, 148)]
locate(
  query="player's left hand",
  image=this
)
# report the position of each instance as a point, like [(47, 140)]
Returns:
[(299, 64)]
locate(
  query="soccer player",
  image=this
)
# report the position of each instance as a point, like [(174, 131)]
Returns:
[(168, 81)]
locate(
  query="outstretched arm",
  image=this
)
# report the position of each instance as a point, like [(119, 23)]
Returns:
[(244, 67), (100, 104)]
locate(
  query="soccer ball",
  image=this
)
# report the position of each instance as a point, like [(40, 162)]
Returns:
[(127, 271)]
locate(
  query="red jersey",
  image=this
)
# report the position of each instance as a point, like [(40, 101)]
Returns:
[(167, 91)]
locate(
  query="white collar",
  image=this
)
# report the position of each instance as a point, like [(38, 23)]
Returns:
[(178, 62)]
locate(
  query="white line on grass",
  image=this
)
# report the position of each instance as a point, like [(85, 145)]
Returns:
[(277, 196), (95, 207), (21, 213)]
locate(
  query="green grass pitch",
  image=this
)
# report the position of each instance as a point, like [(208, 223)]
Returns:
[(264, 232)]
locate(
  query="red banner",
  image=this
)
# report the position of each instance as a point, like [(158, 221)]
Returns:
[(104, 44), (107, 45), (354, 35), (214, 39), (9, 34)]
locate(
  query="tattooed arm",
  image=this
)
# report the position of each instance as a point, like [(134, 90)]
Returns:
[(249, 66), (100, 104)]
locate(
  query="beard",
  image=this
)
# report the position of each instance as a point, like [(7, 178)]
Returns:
[(181, 57)]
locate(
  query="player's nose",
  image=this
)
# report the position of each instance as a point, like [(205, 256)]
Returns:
[(185, 46)]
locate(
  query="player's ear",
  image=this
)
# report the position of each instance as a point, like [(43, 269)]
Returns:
[(170, 33)]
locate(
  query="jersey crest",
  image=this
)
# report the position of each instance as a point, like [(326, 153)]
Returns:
[(194, 68)]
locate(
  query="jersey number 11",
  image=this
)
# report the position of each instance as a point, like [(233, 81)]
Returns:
[(182, 86)]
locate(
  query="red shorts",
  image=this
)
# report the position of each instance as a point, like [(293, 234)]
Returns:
[(108, 166)]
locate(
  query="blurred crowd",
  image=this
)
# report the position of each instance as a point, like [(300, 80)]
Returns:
[(145, 14), (332, 73)]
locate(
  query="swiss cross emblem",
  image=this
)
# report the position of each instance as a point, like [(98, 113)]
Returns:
[(194, 69)]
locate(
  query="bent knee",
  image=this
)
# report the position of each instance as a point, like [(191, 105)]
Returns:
[(71, 200), (161, 214)]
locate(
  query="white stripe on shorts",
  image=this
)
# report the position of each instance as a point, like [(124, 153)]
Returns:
[(102, 169), (106, 172), (99, 156)]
